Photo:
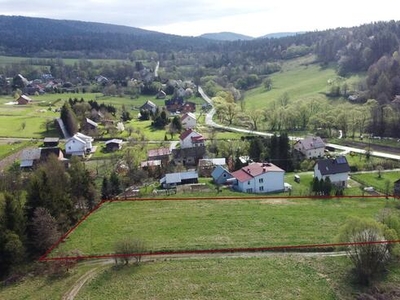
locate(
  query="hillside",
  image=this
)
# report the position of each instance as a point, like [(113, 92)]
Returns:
[(24, 36), (226, 36)]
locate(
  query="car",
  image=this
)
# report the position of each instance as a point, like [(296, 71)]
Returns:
[(369, 189)]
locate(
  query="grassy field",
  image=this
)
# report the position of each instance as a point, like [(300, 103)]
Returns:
[(243, 278), (42, 287), (379, 183), (183, 225)]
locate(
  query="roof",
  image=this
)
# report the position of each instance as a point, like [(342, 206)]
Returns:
[(83, 137), (149, 103), (218, 171), (26, 98), (31, 154), (76, 138), (150, 163), (254, 170), (91, 122), (333, 166), (158, 152), (312, 142), (212, 161), (51, 140), (186, 133), (188, 115), (178, 177), (114, 141)]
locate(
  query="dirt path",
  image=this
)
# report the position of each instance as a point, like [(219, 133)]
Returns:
[(71, 294)]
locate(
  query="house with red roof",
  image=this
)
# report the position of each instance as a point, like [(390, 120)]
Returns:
[(259, 178), (191, 139)]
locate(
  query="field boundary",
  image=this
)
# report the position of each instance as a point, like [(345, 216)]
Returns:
[(287, 248)]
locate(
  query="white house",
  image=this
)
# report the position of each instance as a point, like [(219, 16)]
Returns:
[(79, 144), (191, 139), (310, 147), (188, 120), (337, 169), (259, 178), (150, 106)]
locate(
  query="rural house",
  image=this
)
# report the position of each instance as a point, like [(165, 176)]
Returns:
[(79, 144), (191, 139), (29, 158), (259, 178), (310, 147), (220, 175), (337, 169), (188, 120), (150, 106), (24, 100), (163, 154)]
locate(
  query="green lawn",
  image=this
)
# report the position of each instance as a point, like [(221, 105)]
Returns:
[(240, 278), (379, 183), (183, 225)]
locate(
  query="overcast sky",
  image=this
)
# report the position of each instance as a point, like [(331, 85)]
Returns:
[(183, 17)]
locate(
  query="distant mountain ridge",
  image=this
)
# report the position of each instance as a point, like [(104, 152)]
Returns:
[(226, 36)]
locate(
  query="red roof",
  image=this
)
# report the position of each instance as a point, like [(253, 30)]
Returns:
[(185, 134), (254, 170)]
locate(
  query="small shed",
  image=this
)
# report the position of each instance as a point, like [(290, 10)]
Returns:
[(171, 180), (24, 100), (113, 145)]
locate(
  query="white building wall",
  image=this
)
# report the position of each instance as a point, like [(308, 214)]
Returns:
[(189, 123), (270, 182), (75, 147)]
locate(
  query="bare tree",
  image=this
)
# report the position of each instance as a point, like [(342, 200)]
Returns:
[(127, 249)]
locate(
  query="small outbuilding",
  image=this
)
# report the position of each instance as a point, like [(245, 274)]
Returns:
[(113, 145)]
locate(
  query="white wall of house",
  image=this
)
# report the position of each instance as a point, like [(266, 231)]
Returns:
[(189, 122), (75, 146), (337, 179), (264, 183), (187, 142), (310, 153)]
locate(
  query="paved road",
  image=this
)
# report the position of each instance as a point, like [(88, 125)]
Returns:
[(209, 122)]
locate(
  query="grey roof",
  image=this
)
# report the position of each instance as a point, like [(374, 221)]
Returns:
[(114, 141), (218, 171), (312, 142), (178, 177), (91, 122), (31, 154), (333, 166)]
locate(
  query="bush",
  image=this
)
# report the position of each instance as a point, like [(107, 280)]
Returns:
[(127, 249)]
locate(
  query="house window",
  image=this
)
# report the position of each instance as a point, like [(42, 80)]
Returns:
[(248, 182), (249, 190), (261, 188), (224, 175), (261, 180)]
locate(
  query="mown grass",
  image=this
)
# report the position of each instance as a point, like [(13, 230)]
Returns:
[(378, 182), (183, 225), (240, 278)]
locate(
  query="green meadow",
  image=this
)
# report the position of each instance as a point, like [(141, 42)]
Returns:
[(202, 224)]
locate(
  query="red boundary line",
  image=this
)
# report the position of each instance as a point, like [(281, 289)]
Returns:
[(45, 257), (224, 250)]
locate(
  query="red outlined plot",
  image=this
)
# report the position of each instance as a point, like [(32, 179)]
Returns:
[(287, 248)]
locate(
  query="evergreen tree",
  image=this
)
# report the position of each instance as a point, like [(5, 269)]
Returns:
[(115, 185), (69, 118), (14, 220), (105, 189)]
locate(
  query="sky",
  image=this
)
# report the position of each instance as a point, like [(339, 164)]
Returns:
[(192, 18)]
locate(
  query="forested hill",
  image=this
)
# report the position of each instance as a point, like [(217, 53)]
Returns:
[(353, 49), (25, 36)]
